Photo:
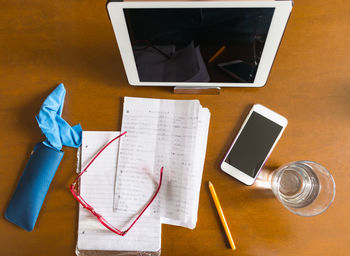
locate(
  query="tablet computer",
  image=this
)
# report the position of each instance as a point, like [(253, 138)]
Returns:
[(201, 43)]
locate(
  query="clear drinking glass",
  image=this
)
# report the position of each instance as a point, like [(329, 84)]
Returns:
[(305, 188)]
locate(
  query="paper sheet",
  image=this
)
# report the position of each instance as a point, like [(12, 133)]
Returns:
[(200, 149), (169, 133), (97, 188)]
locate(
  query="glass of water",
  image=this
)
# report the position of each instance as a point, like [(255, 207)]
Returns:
[(305, 188)]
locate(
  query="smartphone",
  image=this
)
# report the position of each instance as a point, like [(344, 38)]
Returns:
[(255, 141)]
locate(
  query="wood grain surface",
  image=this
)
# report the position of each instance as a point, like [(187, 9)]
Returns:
[(43, 43)]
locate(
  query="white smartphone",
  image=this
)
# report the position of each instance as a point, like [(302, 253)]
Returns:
[(254, 143)]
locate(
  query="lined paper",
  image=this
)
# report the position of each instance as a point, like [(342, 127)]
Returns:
[(97, 188), (169, 133), (197, 171), (121, 181)]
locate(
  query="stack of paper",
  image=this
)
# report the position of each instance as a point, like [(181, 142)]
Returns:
[(168, 133)]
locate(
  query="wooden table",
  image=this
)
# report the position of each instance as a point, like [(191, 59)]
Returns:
[(43, 43)]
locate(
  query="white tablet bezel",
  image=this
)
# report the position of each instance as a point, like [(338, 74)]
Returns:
[(269, 114), (278, 24)]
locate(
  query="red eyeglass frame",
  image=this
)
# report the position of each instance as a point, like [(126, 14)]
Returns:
[(99, 217)]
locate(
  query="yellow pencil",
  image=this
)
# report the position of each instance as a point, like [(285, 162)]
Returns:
[(221, 214)]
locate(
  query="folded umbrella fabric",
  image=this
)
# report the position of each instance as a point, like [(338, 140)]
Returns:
[(24, 207)]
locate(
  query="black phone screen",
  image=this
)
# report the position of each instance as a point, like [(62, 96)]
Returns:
[(253, 144)]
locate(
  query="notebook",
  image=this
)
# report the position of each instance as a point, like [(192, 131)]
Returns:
[(168, 133), (97, 188)]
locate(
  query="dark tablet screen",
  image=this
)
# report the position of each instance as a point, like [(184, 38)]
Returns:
[(190, 44)]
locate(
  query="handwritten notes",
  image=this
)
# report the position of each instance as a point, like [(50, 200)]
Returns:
[(169, 133), (97, 188)]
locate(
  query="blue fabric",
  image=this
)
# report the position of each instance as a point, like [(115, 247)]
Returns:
[(26, 202), (24, 207), (56, 130)]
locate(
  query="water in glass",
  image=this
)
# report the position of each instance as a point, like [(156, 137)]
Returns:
[(297, 185)]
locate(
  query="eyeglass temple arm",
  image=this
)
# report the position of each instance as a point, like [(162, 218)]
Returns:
[(149, 202), (72, 186)]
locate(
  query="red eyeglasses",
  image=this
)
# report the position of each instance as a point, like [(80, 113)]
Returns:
[(104, 222)]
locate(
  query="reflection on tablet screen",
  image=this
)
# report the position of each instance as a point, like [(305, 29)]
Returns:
[(198, 44)]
